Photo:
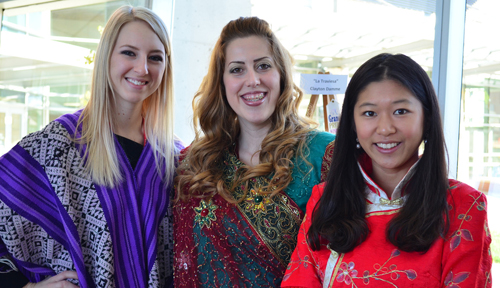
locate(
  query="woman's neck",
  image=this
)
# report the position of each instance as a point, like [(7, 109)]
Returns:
[(388, 179), (249, 144), (128, 124)]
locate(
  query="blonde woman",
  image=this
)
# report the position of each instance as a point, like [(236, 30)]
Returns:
[(89, 193), (243, 186)]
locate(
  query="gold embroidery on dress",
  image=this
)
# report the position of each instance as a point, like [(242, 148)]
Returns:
[(327, 160), (379, 213), (257, 202), (399, 201), (205, 213), (274, 218)]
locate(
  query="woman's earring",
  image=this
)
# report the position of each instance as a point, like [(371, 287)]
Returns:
[(425, 141), (357, 144)]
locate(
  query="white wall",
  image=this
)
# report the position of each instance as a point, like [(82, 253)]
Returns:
[(196, 28)]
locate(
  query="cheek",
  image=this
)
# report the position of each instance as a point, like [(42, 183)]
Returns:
[(273, 83), (276, 79), (117, 68), (114, 73), (227, 85), (160, 73), (359, 128), (229, 94), (416, 132)]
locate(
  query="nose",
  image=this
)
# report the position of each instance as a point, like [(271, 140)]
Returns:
[(141, 66), (253, 79), (385, 125)]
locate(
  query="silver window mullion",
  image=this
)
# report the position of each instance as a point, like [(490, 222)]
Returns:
[(447, 71)]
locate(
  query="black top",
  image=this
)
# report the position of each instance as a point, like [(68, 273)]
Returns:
[(132, 149), (13, 279)]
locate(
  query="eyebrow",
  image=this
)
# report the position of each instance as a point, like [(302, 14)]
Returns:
[(135, 48), (255, 60), (368, 104)]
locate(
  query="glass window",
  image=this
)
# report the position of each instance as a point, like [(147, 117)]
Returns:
[(46, 64), (479, 142), (337, 36)]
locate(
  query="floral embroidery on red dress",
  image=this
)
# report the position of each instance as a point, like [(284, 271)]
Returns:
[(347, 273), (462, 233), (305, 262), (452, 281), (442, 265)]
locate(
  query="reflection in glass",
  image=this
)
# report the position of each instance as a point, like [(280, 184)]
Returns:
[(46, 63), (337, 36), (479, 143)]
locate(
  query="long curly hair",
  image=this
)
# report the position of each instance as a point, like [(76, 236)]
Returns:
[(200, 173)]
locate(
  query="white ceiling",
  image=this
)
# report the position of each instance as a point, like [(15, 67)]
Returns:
[(333, 35), (340, 35)]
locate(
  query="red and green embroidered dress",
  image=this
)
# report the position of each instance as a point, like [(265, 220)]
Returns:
[(219, 244), (461, 259)]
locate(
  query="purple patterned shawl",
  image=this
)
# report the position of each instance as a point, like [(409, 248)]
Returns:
[(133, 211)]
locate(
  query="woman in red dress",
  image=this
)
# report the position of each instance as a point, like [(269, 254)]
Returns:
[(388, 216)]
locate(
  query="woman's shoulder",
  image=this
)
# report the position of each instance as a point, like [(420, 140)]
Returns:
[(318, 142), (178, 148), (178, 145), (185, 150), (183, 153), (462, 197), (183, 165), (49, 145), (462, 191), (54, 134), (320, 137), (317, 192)]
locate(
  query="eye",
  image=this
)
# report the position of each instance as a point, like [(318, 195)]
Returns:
[(400, 111), (156, 58), (369, 113), (235, 70), (128, 53), (264, 66)]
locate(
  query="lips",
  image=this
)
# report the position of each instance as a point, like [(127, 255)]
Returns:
[(253, 97), (136, 82), (387, 145)]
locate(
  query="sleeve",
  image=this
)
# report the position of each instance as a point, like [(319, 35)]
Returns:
[(304, 270), (28, 202), (327, 160), (466, 256)]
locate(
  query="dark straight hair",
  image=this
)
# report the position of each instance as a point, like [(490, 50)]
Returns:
[(339, 216)]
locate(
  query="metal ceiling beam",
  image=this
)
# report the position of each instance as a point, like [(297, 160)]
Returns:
[(11, 9), (20, 3), (360, 59), (488, 69), (48, 80)]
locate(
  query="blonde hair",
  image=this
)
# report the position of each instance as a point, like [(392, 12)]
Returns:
[(199, 175), (97, 118)]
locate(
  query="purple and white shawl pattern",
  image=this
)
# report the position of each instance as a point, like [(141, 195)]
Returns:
[(52, 215)]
